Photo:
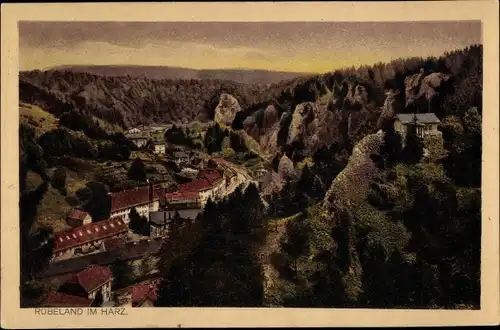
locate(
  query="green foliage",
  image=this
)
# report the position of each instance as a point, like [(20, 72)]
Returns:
[(59, 180), (463, 163), (122, 274), (62, 142), (295, 243), (138, 224), (226, 264), (182, 136), (414, 148), (214, 137), (137, 171), (96, 200)]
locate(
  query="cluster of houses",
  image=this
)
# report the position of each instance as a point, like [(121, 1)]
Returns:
[(92, 287), (163, 210)]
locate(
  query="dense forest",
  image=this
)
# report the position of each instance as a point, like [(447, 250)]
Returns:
[(369, 219)]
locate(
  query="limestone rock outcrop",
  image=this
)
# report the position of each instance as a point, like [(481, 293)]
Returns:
[(226, 110)]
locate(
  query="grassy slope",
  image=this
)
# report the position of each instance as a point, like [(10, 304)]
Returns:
[(273, 284), (41, 120)]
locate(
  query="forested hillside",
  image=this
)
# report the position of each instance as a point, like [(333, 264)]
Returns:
[(365, 217), (245, 76), (374, 221)]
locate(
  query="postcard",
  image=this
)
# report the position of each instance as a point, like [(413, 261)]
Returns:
[(249, 164)]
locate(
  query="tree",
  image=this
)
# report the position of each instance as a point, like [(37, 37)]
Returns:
[(414, 147), (137, 222), (99, 203), (59, 180), (137, 170), (296, 242), (122, 274)]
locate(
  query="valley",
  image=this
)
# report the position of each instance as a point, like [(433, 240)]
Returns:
[(312, 191)]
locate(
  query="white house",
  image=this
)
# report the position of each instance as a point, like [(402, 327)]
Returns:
[(143, 199), (159, 149), (426, 123)]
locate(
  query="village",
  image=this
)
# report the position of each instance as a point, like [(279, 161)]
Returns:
[(83, 254)]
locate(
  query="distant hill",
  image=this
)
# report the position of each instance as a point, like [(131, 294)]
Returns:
[(246, 76)]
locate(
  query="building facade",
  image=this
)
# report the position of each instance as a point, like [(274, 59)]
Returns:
[(77, 218), (143, 199), (93, 283), (425, 123), (87, 238), (159, 149)]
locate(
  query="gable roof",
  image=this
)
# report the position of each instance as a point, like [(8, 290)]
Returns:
[(132, 197), (191, 195), (211, 175), (92, 277), (61, 299), (142, 292), (88, 233), (195, 186), (77, 214), (422, 118)]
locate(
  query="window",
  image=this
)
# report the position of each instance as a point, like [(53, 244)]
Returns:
[(105, 228), (67, 237), (80, 234), (74, 236), (88, 231), (112, 226)]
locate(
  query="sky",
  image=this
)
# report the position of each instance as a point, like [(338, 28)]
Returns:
[(278, 46)]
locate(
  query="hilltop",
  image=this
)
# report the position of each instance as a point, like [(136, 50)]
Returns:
[(245, 76)]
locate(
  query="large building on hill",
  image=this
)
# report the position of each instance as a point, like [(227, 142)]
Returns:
[(143, 199), (88, 238), (426, 123)]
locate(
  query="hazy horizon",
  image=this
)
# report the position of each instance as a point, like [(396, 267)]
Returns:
[(301, 47)]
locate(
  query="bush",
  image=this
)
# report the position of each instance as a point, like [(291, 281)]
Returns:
[(137, 171), (59, 180)]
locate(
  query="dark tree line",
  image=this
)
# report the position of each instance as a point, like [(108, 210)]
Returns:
[(181, 136), (36, 242), (225, 269)]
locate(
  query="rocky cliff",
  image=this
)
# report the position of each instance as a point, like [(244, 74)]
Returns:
[(420, 87), (226, 110)]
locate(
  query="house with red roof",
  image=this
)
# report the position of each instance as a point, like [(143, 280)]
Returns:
[(88, 238), (78, 218), (93, 283), (143, 199), (144, 295), (227, 167), (209, 184)]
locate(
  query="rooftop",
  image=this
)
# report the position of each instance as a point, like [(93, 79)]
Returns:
[(92, 277), (132, 197), (60, 299), (190, 195), (142, 292), (77, 214), (88, 233), (422, 118)]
